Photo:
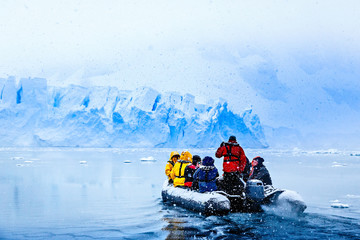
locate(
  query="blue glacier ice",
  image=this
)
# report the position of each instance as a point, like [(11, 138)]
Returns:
[(35, 114)]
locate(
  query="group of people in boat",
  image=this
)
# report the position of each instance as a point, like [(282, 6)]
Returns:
[(188, 171)]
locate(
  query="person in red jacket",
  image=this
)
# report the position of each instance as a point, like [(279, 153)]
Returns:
[(233, 165)]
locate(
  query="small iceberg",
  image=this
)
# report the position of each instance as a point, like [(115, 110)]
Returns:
[(83, 162), (148, 159), (127, 161), (28, 161), (17, 158), (336, 164), (338, 204)]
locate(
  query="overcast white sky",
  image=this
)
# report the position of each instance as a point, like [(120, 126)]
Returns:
[(253, 53), (40, 38)]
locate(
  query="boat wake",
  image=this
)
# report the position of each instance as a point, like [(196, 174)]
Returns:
[(289, 204)]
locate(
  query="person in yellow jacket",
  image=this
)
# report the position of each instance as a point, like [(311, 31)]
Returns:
[(174, 156), (178, 171)]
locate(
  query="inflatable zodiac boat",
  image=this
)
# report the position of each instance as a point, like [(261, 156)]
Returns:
[(254, 198)]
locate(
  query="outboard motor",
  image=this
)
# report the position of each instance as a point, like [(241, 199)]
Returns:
[(254, 190)]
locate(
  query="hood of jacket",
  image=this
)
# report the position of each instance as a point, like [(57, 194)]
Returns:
[(172, 154), (186, 156)]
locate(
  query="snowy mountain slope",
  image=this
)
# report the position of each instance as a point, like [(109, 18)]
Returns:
[(34, 114)]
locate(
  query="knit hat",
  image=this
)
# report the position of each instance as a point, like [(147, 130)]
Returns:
[(259, 159), (232, 138), (196, 159), (208, 161)]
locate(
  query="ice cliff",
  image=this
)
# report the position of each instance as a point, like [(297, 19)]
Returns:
[(35, 114)]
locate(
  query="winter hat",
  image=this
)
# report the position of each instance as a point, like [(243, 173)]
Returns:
[(232, 138), (259, 159), (208, 161), (196, 159)]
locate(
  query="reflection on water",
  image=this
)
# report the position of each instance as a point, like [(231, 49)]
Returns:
[(51, 193), (183, 224), (175, 228), (260, 226)]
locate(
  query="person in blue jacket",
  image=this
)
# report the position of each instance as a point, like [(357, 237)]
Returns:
[(206, 175)]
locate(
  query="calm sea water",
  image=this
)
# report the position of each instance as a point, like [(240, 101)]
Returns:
[(112, 194)]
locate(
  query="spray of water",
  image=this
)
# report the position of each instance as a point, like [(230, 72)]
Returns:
[(289, 204)]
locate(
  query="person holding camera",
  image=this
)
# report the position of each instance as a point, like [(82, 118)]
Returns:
[(233, 165)]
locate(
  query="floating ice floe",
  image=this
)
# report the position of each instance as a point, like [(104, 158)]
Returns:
[(148, 159), (19, 165), (28, 161), (127, 161), (329, 151), (336, 164), (83, 162), (338, 204), (17, 158)]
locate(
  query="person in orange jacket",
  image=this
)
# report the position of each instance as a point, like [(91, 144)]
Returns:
[(174, 156), (233, 165), (178, 171)]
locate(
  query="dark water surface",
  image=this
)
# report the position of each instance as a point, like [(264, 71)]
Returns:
[(113, 194)]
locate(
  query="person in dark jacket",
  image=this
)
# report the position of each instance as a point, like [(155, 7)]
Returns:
[(259, 171), (233, 166), (206, 175), (189, 172)]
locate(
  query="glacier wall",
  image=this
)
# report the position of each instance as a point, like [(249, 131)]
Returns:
[(35, 114)]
